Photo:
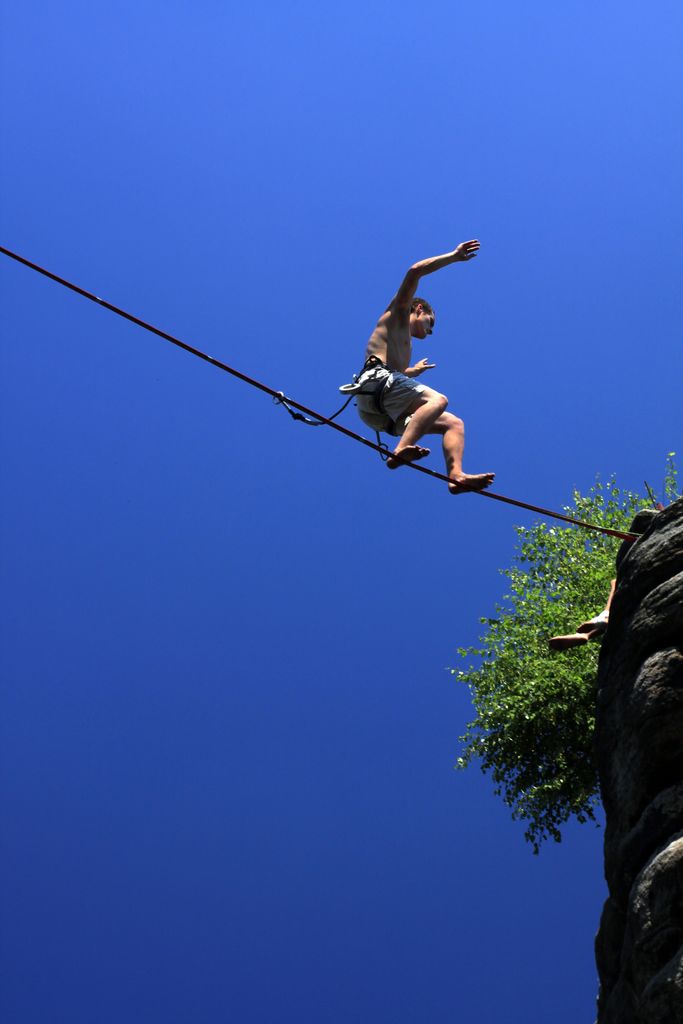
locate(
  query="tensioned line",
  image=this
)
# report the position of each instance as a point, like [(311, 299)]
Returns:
[(278, 395)]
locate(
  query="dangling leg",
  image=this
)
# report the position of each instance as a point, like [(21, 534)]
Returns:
[(590, 630)]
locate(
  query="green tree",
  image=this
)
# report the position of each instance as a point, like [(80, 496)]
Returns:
[(671, 491), (535, 713)]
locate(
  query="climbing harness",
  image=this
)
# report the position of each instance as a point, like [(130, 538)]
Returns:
[(371, 382), (310, 416)]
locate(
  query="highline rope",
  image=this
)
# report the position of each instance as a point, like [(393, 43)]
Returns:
[(278, 396)]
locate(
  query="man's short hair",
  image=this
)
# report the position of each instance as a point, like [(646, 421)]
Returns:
[(421, 302)]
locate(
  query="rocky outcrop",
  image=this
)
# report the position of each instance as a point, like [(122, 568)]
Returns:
[(639, 752)]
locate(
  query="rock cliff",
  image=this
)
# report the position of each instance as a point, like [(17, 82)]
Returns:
[(639, 752)]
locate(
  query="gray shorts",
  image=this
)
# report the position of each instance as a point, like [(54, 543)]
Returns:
[(398, 396)]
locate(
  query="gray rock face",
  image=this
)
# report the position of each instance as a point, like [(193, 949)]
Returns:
[(639, 752)]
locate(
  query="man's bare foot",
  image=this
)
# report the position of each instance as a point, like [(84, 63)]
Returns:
[(470, 482), (563, 643), (410, 453)]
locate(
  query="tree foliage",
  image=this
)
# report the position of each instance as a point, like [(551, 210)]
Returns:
[(535, 709)]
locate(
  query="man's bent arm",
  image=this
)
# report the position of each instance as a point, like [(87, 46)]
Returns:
[(415, 371), (406, 293)]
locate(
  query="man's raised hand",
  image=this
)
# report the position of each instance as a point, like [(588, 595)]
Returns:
[(467, 250)]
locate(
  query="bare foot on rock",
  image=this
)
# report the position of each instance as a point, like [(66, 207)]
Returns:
[(410, 453), (470, 482)]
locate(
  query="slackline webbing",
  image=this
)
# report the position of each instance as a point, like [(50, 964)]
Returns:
[(279, 396)]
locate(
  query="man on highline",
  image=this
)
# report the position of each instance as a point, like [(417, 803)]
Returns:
[(389, 397)]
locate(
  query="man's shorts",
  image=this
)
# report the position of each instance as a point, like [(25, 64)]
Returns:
[(398, 396)]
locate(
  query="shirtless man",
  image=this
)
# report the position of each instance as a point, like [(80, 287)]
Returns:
[(407, 409)]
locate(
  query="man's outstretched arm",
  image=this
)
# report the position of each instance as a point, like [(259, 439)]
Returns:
[(406, 293)]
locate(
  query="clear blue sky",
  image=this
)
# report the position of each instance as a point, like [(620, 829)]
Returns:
[(227, 730)]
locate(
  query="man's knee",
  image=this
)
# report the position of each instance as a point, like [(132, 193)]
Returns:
[(454, 422), (431, 402), (438, 402)]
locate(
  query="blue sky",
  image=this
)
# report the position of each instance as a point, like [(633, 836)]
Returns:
[(228, 732)]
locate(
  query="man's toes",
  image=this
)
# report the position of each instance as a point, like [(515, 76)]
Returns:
[(408, 454)]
